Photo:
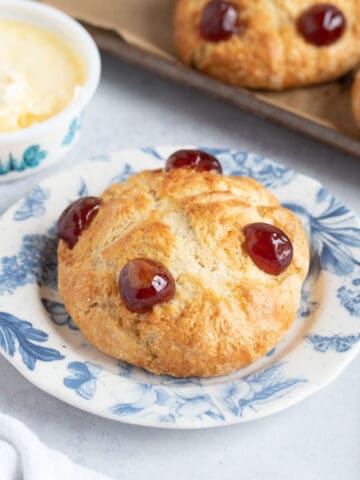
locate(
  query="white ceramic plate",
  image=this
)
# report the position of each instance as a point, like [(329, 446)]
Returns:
[(40, 340)]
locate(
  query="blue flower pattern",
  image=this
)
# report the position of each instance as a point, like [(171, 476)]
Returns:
[(124, 174), (83, 378), (74, 127), (248, 392), (149, 398), (337, 343), (349, 294), (58, 313), (269, 173), (32, 157), (308, 305), (33, 204), (16, 332), (271, 352), (36, 262), (333, 234), (257, 388), (262, 169), (266, 171), (144, 396), (83, 189), (153, 152)]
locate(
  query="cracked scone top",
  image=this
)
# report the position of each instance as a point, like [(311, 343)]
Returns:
[(226, 312), (269, 45)]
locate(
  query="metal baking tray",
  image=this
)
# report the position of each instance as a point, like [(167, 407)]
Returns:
[(334, 127)]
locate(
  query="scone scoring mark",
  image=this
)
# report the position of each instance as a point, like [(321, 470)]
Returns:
[(219, 21), (269, 247), (322, 25), (76, 218), (195, 159), (144, 283)]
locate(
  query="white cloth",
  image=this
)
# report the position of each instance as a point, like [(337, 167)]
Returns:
[(24, 457)]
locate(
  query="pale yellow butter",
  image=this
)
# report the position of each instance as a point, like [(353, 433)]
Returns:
[(39, 74)]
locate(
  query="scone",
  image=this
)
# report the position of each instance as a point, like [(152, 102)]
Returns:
[(218, 304), (355, 98), (269, 44)]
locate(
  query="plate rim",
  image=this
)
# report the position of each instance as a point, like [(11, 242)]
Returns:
[(306, 391)]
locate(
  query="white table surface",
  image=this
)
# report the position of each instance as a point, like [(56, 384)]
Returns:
[(316, 439)]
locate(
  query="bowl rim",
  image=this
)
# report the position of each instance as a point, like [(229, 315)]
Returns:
[(93, 77)]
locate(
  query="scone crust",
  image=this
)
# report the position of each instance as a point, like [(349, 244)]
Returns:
[(226, 311), (268, 53)]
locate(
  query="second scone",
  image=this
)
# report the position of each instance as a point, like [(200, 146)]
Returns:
[(226, 312), (267, 51)]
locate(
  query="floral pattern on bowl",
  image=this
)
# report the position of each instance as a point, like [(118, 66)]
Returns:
[(18, 161), (40, 339), (31, 158)]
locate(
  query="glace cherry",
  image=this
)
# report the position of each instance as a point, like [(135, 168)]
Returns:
[(194, 159), (76, 217), (322, 24), (144, 283), (269, 247), (219, 21)]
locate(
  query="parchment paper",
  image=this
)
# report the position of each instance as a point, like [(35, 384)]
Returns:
[(148, 24), (144, 23)]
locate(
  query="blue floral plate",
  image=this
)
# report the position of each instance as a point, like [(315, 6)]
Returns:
[(39, 338)]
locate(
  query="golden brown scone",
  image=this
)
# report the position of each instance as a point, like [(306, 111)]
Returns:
[(268, 51), (355, 98), (226, 312)]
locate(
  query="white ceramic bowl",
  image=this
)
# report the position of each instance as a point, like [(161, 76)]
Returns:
[(26, 151)]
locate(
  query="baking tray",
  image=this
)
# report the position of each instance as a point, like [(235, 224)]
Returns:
[(261, 104)]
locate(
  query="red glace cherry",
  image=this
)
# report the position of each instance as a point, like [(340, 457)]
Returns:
[(194, 159), (144, 283), (269, 247), (322, 24), (76, 217), (219, 21)]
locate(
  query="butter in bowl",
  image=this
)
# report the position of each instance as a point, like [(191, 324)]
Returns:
[(49, 71)]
